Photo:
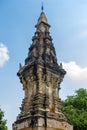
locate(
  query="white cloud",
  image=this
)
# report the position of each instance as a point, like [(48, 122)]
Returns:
[(4, 57), (75, 71)]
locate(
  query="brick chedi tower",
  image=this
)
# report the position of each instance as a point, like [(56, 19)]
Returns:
[(41, 77)]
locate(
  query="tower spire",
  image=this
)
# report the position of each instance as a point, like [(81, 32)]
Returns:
[(42, 7), (41, 77)]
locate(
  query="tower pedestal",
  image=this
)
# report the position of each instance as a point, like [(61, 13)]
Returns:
[(41, 117), (52, 124)]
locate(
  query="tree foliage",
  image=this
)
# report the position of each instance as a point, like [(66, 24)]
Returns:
[(75, 109), (2, 121)]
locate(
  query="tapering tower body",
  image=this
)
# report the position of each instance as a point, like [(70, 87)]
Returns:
[(41, 77)]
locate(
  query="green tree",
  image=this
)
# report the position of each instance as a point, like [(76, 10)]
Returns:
[(75, 109), (2, 121)]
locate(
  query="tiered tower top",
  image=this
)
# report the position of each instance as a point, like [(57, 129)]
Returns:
[(42, 50)]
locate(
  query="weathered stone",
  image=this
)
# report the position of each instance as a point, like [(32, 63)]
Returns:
[(41, 77)]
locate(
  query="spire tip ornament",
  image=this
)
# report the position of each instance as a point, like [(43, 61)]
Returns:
[(42, 7)]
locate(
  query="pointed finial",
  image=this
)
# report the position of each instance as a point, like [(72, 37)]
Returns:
[(20, 66), (42, 8), (61, 66)]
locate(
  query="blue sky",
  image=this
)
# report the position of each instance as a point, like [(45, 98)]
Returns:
[(68, 20)]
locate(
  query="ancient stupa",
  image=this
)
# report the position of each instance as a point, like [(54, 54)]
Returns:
[(41, 77)]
